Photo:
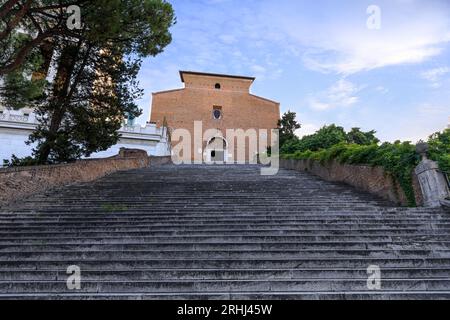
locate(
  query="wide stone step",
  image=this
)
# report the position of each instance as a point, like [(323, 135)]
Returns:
[(38, 224), (82, 237), (142, 232), (103, 238), (224, 286), (220, 218), (226, 263), (303, 295), (219, 254), (217, 210), (213, 246), (241, 228), (230, 274)]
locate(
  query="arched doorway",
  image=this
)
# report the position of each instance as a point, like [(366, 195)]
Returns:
[(216, 150)]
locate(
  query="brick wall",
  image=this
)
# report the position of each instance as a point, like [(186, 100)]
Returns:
[(240, 109)]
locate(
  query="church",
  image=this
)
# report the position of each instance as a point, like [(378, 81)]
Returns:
[(220, 103)]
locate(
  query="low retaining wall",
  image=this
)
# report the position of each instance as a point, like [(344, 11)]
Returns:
[(374, 180), (20, 182)]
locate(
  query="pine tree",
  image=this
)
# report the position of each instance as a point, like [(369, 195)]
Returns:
[(95, 84), (287, 126)]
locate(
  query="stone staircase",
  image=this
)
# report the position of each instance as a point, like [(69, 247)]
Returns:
[(220, 232)]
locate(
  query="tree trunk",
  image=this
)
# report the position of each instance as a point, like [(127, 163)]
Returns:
[(47, 50), (57, 108)]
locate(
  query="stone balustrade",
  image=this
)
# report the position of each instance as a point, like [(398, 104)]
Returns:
[(148, 129)]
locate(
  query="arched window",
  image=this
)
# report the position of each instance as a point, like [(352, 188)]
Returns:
[(218, 86)]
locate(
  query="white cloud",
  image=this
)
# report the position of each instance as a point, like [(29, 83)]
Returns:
[(258, 71), (340, 42), (341, 94), (382, 89), (307, 129), (153, 80), (227, 38), (432, 109), (435, 75), (315, 104), (419, 125)]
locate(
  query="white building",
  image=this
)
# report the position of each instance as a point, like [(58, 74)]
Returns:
[(16, 126)]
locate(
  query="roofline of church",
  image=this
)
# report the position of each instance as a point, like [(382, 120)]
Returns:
[(214, 75), (265, 99)]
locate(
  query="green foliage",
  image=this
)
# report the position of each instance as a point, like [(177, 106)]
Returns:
[(112, 207), (327, 137), (20, 89), (324, 138), (398, 159), (290, 146), (19, 162), (287, 126), (362, 148), (440, 149), (95, 85), (357, 136)]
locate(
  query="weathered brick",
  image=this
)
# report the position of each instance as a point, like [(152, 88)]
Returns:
[(196, 102)]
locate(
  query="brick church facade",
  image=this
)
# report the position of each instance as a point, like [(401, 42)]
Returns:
[(220, 102)]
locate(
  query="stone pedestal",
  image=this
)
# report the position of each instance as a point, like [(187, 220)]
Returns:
[(432, 182)]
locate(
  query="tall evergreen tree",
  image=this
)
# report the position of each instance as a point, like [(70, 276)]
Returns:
[(357, 136), (287, 126)]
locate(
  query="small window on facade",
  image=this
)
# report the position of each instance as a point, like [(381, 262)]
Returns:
[(218, 86), (217, 113)]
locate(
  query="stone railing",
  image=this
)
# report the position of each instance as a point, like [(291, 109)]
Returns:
[(19, 118), (21, 182), (374, 180), (149, 129)]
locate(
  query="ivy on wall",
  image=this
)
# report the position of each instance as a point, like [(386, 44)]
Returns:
[(399, 159)]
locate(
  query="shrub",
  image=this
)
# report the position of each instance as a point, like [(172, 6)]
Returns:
[(398, 159), (356, 147), (19, 162), (440, 149)]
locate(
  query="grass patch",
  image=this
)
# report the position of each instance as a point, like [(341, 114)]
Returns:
[(110, 207)]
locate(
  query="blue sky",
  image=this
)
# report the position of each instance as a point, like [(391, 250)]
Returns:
[(319, 59)]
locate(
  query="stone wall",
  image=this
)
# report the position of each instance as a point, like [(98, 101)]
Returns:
[(374, 180), (20, 182)]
